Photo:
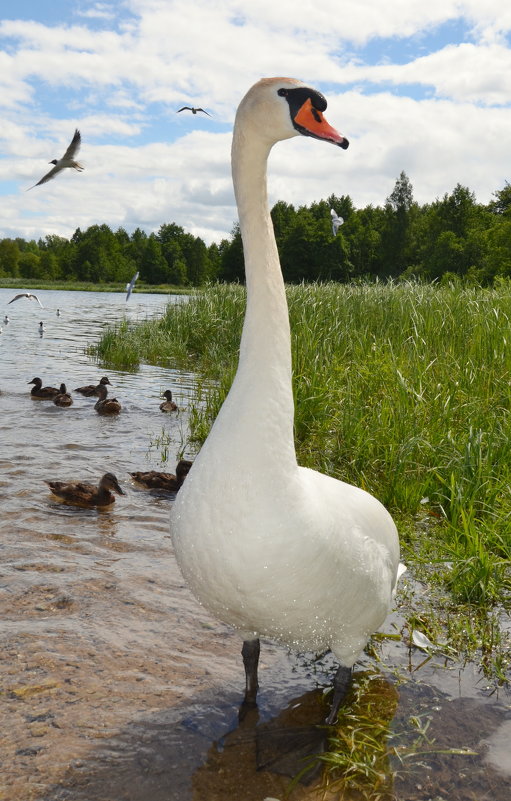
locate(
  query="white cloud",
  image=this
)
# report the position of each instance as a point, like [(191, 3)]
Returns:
[(121, 72), (98, 11), (463, 72)]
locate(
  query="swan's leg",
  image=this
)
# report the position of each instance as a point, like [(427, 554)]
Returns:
[(250, 654), (342, 682)]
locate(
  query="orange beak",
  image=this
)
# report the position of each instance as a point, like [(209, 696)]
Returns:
[(313, 123)]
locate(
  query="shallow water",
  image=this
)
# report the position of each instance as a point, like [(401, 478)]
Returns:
[(115, 683)]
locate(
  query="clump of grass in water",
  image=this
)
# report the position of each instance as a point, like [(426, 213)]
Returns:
[(365, 755), (117, 348), (201, 334)]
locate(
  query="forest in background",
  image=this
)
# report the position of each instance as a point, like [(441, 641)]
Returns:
[(453, 237)]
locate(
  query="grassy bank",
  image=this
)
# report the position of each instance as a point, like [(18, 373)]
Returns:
[(88, 286), (404, 390)]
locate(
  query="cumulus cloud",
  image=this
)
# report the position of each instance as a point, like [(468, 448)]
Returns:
[(118, 70)]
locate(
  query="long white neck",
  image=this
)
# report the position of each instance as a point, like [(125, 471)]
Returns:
[(260, 402)]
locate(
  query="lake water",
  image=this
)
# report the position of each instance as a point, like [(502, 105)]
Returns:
[(116, 684)]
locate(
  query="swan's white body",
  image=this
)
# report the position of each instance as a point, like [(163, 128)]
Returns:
[(267, 546)]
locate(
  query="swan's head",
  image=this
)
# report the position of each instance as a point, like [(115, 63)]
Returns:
[(283, 107)]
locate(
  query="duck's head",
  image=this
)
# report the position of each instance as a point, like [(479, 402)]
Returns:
[(104, 380), (63, 389), (284, 107), (182, 469), (36, 381), (167, 394), (109, 481)]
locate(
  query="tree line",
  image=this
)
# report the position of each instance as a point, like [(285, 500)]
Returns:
[(451, 237)]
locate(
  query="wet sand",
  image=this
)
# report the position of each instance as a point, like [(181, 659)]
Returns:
[(107, 698)]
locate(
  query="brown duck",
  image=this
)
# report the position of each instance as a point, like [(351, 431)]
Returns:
[(166, 481), (90, 390), (38, 391), (82, 494), (106, 405), (168, 405), (63, 398)]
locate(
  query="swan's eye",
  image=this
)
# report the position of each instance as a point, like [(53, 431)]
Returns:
[(283, 92)]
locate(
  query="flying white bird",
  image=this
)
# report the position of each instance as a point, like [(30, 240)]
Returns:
[(67, 160), (129, 287), (271, 548), (193, 110), (28, 295), (336, 222)]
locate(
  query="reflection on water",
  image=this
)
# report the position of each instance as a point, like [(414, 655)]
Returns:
[(116, 683)]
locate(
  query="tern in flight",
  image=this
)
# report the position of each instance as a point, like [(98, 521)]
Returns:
[(129, 287), (336, 222), (193, 110), (67, 160), (28, 295)]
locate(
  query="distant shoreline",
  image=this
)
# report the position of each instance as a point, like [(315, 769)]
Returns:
[(90, 286)]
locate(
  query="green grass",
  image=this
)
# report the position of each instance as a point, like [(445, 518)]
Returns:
[(368, 753), (402, 389)]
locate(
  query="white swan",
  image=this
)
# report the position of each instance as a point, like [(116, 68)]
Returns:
[(274, 549)]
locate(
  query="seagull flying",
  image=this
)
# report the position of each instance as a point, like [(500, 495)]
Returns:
[(130, 286), (26, 295), (67, 160), (336, 222), (193, 110)]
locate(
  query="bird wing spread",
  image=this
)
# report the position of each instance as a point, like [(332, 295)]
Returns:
[(48, 176), (74, 146)]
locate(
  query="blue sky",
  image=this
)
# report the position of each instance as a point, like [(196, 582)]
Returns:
[(421, 89)]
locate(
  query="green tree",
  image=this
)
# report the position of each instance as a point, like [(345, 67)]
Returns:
[(502, 202), (154, 267), (49, 265), (101, 249), (29, 265), (9, 257), (232, 265), (283, 216), (396, 237)]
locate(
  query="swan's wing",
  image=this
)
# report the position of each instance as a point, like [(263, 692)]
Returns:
[(74, 146)]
